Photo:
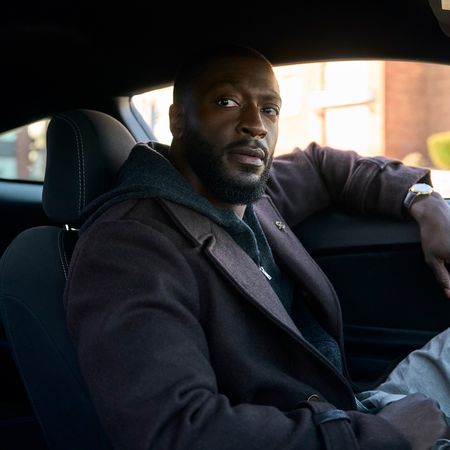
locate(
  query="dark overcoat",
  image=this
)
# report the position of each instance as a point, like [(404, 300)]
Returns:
[(184, 344)]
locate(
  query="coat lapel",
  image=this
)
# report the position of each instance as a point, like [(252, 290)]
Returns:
[(304, 270), (232, 261)]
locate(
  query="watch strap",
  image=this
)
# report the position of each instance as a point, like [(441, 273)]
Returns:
[(409, 199)]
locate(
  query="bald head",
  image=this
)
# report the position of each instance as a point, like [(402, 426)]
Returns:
[(196, 67)]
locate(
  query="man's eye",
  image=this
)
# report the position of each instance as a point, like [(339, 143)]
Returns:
[(271, 111), (227, 102)]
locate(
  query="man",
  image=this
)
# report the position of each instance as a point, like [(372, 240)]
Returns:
[(199, 319)]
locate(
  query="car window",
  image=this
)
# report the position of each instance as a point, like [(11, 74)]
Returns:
[(400, 109), (23, 152)]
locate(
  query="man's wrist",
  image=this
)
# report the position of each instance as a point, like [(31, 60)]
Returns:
[(416, 191), (422, 204)]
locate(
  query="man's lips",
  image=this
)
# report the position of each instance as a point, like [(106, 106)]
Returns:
[(251, 155)]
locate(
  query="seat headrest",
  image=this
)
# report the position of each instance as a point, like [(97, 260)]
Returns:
[(85, 150), (441, 9)]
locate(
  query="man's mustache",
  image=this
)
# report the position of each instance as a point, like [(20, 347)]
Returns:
[(249, 143)]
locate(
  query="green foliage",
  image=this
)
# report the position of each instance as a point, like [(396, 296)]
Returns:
[(439, 149)]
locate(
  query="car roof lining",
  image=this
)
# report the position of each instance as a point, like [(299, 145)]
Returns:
[(75, 57)]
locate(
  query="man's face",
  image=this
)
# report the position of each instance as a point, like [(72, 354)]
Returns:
[(231, 128)]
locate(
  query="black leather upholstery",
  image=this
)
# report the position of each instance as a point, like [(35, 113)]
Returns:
[(84, 151), (442, 15)]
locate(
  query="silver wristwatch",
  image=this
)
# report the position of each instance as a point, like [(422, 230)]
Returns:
[(415, 191)]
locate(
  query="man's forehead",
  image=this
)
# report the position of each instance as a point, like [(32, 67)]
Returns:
[(240, 72)]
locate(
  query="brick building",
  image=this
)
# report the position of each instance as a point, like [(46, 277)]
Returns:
[(374, 107), (417, 104)]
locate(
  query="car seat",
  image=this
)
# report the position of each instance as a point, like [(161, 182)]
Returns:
[(85, 149)]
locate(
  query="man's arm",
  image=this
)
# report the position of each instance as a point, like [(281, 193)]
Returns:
[(305, 182), (133, 310), (432, 213)]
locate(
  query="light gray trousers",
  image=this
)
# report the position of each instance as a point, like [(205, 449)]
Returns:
[(426, 371)]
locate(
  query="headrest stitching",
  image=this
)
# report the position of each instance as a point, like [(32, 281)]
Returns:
[(64, 253), (83, 168), (80, 153), (60, 249)]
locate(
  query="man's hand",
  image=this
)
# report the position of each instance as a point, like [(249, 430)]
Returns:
[(433, 216), (419, 419)]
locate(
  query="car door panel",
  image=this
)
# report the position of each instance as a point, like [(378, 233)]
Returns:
[(390, 300)]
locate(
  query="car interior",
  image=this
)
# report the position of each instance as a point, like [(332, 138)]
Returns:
[(69, 66)]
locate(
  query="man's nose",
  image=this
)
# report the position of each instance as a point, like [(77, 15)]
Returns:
[(251, 123)]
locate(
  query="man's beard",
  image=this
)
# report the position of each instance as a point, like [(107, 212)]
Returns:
[(210, 169)]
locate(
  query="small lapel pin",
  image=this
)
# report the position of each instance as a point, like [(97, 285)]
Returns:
[(280, 225)]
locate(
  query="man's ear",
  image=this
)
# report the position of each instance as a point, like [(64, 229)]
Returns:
[(176, 118)]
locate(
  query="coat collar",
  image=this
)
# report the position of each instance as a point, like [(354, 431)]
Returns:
[(242, 272)]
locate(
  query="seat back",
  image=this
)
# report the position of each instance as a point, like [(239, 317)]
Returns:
[(84, 151)]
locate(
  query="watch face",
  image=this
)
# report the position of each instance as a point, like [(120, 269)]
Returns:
[(422, 188)]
